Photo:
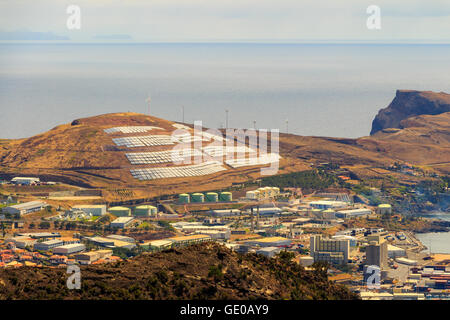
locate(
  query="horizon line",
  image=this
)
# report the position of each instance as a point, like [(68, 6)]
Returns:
[(280, 42)]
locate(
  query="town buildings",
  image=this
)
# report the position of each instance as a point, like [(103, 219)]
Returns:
[(377, 252), (25, 208), (333, 251)]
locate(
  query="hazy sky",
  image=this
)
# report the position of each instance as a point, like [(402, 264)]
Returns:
[(233, 20)]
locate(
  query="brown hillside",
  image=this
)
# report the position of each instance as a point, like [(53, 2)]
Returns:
[(203, 271), (82, 154)]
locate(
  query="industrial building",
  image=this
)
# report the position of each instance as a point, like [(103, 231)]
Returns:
[(157, 245), (406, 261), (25, 180), (47, 245), (353, 241), (335, 196), (263, 193), (377, 252), (95, 210), (40, 235), (306, 261), (92, 256), (186, 240), (327, 204), (328, 214), (69, 249), (110, 243), (122, 222), (395, 252), (269, 252), (270, 242), (25, 208), (224, 212), (121, 238), (216, 234), (353, 213), (22, 241), (333, 251), (69, 240)]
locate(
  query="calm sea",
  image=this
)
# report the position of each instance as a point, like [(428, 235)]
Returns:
[(329, 90), (438, 242)]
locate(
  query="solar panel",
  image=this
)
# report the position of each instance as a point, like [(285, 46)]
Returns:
[(187, 138), (143, 141), (180, 126), (175, 172), (162, 156), (134, 129), (220, 151)]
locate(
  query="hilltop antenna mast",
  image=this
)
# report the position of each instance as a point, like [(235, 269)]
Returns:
[(182, 112), (148, 100), (226, 118)]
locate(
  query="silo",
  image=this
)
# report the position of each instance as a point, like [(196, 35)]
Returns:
[(183, 198), (226, 196), (250, 195), (384, 208), (120, 211), (198, 197), (212, 197), (145, 211), (263, 193)]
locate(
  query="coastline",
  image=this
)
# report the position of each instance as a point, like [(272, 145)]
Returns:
[(436, 238)]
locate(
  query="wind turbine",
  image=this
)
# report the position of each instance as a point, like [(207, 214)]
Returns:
[(226, 122), (182, 112), (148, 100), (287, 125)]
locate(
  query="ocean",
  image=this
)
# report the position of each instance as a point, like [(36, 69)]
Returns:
[(437, 242), (321, 89)]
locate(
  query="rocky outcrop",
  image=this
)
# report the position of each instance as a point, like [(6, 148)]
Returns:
[(409, 103)]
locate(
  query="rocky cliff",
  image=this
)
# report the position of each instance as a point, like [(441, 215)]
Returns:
[(410, 103)]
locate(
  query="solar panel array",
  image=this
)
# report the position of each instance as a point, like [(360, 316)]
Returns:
[(179, 156), (144, 141), (178, 172), (210, 136), (220, 151), (135, 129), (162, 156), (180, 126), (257, 161)]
